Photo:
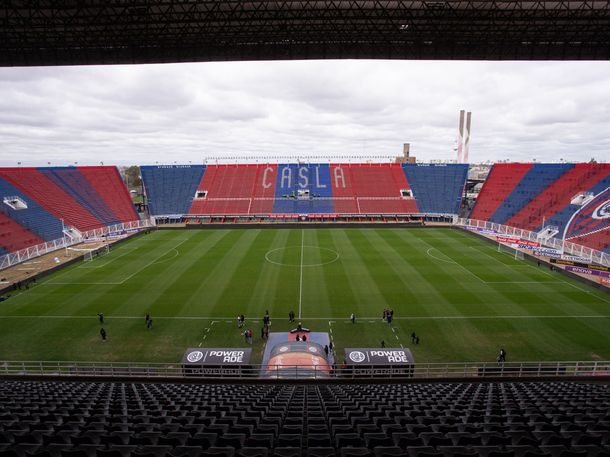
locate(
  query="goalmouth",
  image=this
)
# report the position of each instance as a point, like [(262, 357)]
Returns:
[(88, 253), (513, 252)]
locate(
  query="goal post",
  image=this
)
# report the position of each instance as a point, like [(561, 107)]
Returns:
[(88, 253), (513, 252)]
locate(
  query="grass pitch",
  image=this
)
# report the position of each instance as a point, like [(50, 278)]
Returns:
[(462, 297)]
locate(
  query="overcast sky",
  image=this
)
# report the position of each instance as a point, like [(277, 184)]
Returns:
[(188, 112)]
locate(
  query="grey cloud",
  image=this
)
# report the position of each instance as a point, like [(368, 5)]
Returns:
[(147, 114)]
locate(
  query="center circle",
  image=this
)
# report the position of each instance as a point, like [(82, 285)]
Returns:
[(326, 255)]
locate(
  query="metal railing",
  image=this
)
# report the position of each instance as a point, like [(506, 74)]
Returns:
[(594, 256), (23, 255), (432, 371)]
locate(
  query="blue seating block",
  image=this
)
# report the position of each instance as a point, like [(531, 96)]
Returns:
[(437, 188), (170, 189)]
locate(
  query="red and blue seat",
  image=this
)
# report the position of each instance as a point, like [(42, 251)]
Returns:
[(264, 189), (531, 196), (53, 197)]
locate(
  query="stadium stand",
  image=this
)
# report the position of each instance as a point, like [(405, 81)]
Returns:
[(84, 198), (74, 183), (499, 184), (87, 419), (377, 188), (228, 189), (559, 194), (437, 188), (304, 189), (35, 218), (537, 178), (170, 189), (14, 237), (109, 186), (564, 196), (49, 195)]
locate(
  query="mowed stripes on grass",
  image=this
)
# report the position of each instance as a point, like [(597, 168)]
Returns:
[(462, 297)]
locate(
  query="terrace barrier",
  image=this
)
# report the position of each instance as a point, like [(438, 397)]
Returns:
[(423, 371)]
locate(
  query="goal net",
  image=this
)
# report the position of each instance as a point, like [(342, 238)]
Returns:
[(88, 253), (516, 253)]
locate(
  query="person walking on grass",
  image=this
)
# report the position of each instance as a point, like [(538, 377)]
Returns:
[(353, 318), (101, 318), (103, 334)]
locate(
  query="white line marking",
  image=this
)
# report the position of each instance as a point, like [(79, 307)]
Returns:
[(337, 256), (200, 344), (128, 277), (301, 276), (396, 336), (108, 262), (438, 258), (106, 316), (401, 346)]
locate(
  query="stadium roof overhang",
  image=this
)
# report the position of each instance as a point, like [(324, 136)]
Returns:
[(83, 32)]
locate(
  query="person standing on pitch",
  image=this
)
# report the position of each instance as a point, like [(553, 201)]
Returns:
[(149, 323), (353, 318), (101, 317), (291, 316), (103, 334)]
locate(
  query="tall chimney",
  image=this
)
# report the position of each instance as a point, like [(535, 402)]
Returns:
[(460, 139), (467, 137)]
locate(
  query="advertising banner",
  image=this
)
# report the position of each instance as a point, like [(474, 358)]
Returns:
[(380, 362), (588, 271), (518, 242), (590, 266), (548, 252), (216, 361)]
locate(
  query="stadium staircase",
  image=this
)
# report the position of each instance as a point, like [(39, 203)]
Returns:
[(90, 419)]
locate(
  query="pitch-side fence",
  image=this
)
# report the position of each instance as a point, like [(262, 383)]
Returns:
[(598, 257), (13, 258)]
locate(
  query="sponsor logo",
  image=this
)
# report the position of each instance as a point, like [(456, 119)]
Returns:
[(194, 356), (602, 211), (283, 349), (313, 349), (229, 356), (357, 356), (590, 218), (392, 356)]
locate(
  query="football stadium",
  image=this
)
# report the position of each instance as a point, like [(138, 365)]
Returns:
[(305, 308)]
